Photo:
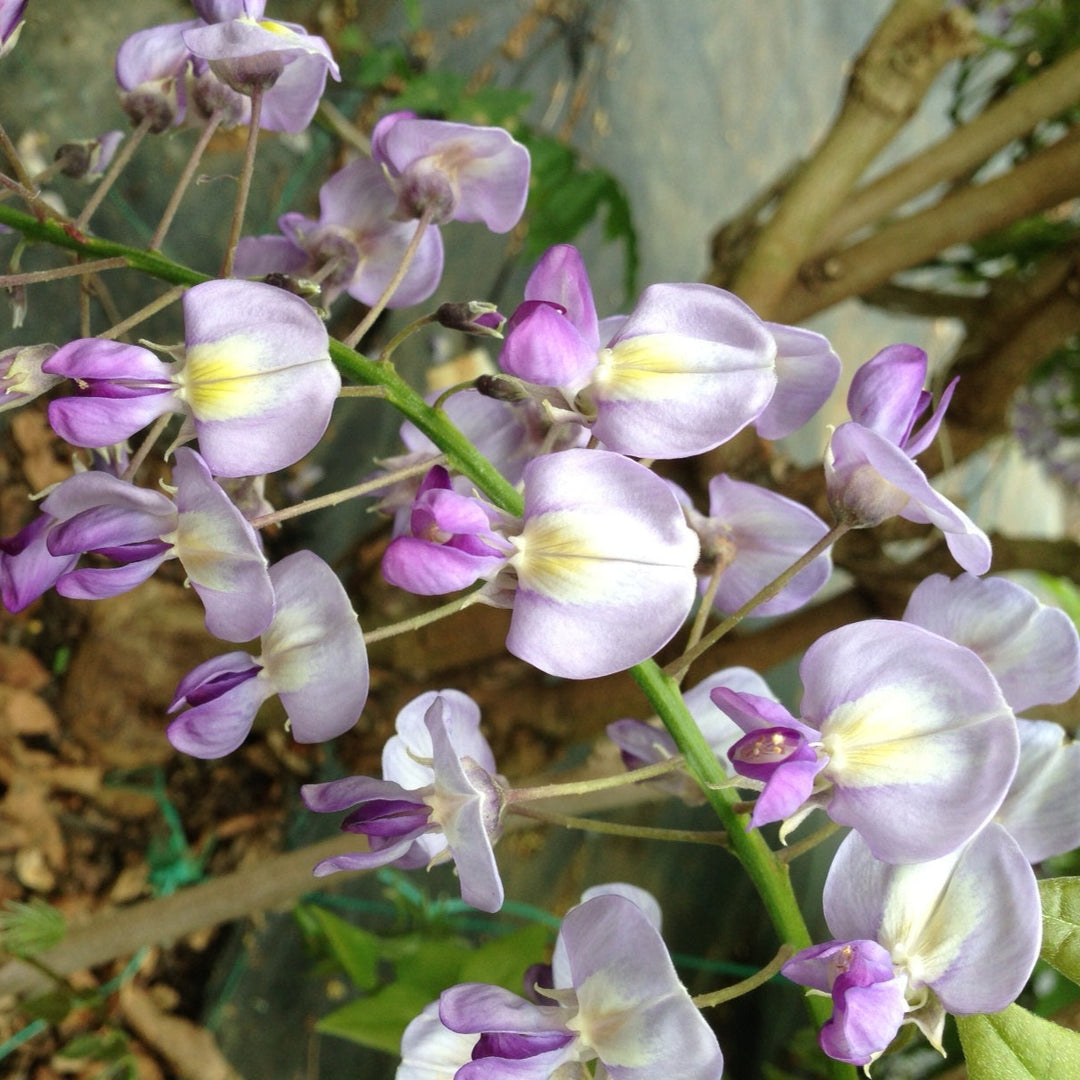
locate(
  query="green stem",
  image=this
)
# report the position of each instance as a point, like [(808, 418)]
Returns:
[(600, 783), (729, 993), (614, 828)]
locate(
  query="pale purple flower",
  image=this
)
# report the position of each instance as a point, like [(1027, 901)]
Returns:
[(454, 172), (312, 656), (151, 70), (452, 541), (642, 743), (21, 375), (1041, 810), (618, 1001), (807, 371), (138, 529), (904, 736), (247, 52), (439, 799), (959, 934), (11, 23), (754, 535), (355, 244), (430, 1050), (869, 471), (87, 159), (599, 571), (1032, 650), (255, 383), (27, 567), (687, 369)]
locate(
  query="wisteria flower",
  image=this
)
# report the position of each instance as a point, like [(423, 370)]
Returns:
[(27, 567), (1041, 811), (904, 736), (453, 172), (750, 536), (618, 1001), (138, 529), (439, 799), (807, 371), (869, 471), (247, 52), (354, 247), (959, 934), (21, 376), (312, 655), (687, 369), (1033, 650), (599, 571), (151, 70), (11, 23), (255, 383)]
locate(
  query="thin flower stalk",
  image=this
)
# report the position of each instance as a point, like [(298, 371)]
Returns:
[(182, 184), (244, 187), (614, 828), (117, 166)]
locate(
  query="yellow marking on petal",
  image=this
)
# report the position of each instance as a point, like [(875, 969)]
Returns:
[(220, 380), (276, 28), (883, 737), (554, 557)]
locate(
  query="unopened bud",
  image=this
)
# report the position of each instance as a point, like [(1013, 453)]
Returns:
[(471, 317), (502, 388)]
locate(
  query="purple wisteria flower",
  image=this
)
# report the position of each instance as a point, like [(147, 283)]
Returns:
[(152, 66), (255, 382), (21, 377), (904, 736), (138, 529), (440, 799), (687, 369), (247, 53), (87, 159), (430, 1050), (752, 535), (959, 934), (807, 371), (1032, 650), (618, 1002), (27, 567), (454, 172), (312, 655), (11, 23), (354, 247), (642, 743), (869, 469), (1041, 811), (599, 572)]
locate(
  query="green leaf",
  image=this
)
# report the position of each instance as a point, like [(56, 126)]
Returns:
[(378, 1021), (429, 965), (1017, 1045), (504, 960), (51, 1007), (356, 950), (1061, 925)]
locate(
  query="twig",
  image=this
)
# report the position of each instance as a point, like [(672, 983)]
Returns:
[(1043, 97), (1043, 181), (912, 44)]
